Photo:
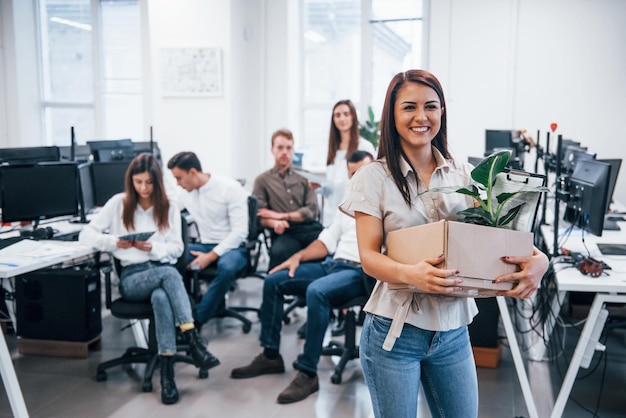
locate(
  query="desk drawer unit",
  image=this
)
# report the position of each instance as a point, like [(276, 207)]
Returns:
[(59, 304)]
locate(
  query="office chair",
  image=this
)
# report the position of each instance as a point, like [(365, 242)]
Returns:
[(253, 249), (136, 311), (349, 350)]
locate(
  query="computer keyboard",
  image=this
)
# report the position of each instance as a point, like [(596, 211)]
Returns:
[(71, 236)]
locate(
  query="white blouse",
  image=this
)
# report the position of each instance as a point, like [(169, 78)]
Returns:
[(102, 232), (373, 191)]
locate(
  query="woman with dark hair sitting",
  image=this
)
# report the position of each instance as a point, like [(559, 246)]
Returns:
[(148, 272)]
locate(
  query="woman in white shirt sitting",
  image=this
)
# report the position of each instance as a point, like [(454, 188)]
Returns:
[(148, 272)]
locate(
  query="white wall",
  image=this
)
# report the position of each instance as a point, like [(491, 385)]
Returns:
[(512, 64), (19, 77), (503, 64)]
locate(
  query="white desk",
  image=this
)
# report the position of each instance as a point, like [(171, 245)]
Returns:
[(607, 289), (14, 262)]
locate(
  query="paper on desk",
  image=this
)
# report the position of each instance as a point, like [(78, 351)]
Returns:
[(35, 249)]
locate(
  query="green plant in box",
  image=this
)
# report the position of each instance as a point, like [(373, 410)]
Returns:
[(489, 208)]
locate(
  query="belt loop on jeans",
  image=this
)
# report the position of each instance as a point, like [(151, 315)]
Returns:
[(352, 263)]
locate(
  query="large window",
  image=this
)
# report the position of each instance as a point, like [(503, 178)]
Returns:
[(91, 69), (351, 49)]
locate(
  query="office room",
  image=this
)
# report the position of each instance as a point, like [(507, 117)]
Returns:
[(554, 66)]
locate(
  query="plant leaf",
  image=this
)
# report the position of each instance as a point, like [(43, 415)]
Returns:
[(485, 172), (503, 197), (476, 215), (510, 215), (371, 114)]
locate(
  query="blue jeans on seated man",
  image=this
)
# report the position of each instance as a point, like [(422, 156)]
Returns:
[(325, 283), (228, 266), (163, 285), (442, 361)]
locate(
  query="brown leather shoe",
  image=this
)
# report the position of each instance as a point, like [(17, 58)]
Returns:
[(299, 388), (260, 365)]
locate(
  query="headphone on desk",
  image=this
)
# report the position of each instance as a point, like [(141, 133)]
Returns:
[(590, 266), (39, 233)]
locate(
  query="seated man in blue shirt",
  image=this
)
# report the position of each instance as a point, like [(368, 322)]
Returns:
[(335, 280), (219, 207)]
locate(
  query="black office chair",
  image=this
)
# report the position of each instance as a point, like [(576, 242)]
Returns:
[(349, 350), (136, 311), (253, 249)]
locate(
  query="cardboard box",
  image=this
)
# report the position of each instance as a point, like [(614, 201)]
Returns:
[(474, 250)]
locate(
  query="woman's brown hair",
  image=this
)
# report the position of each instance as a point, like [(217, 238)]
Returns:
[(145, 163)]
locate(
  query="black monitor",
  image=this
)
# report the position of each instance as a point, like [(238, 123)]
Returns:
[(112, 150), (571, 155), (82, 153), (28, 155), (39, 191), (86, 196), (588, 189), (495, 139), (108, 179), (615, 163), (150, 147)]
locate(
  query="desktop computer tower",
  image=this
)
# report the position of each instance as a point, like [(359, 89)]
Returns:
[(59, 304)]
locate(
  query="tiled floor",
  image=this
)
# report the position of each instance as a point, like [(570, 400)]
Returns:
[(56, 387)]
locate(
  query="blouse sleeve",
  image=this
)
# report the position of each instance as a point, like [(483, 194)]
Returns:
[(95, 233), (365, 192), (169, 246)]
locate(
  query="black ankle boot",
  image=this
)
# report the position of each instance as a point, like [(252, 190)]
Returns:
[(202, 358), (169, 393)]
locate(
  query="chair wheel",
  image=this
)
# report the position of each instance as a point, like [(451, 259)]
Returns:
[(246, 328), (203, 374), (146, 387), (101, 376), (335, 378)]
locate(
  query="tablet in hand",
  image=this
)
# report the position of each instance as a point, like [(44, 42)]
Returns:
[(138, 236)]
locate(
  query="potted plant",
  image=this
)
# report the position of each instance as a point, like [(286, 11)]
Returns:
[(370, 130), (492, 210)]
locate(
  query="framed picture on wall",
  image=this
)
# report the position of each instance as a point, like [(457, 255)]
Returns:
[(191, 72)]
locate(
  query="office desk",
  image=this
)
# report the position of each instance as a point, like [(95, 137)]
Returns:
[(21, 259), (607, 289)]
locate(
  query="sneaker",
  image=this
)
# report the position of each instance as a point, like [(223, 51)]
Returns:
[(260, 365), (299, 388)]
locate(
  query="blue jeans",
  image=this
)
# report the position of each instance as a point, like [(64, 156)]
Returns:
[(228, 266), (441, 361), (330, 282), (163, 285), (343, 283)]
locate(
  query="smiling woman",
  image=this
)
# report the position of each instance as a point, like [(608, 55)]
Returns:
[(411, 338)]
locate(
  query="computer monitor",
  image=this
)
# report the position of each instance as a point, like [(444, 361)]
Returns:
[(112, 150), (39, 191), (588, 189), (151, 147), (82, 153), (27, 155), (108, 179), (86, 196), (495, 139), (616, 164), (571, 155)]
